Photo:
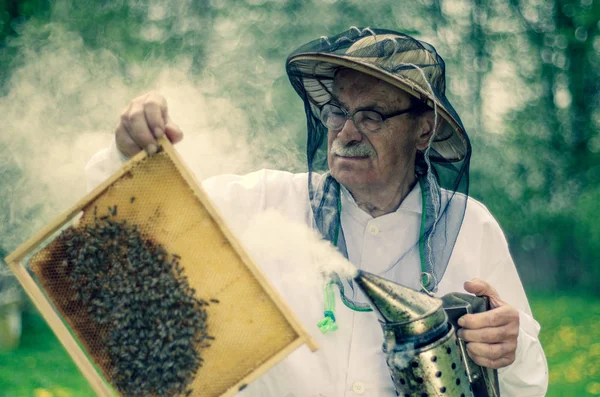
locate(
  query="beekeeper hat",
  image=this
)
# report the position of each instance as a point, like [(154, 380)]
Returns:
[(398, 59)]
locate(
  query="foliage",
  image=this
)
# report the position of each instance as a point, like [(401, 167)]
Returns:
[(131, 30), (542, 182)]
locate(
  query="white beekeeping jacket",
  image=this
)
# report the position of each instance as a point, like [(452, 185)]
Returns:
[(350, 361)]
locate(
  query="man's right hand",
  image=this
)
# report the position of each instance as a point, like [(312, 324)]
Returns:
[(144, 121)]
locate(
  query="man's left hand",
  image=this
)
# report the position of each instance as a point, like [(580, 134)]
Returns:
[(492, 335)]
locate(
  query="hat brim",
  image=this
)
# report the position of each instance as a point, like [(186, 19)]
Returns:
[(450, 140)]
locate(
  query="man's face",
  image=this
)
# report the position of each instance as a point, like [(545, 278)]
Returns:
[(377, 160)]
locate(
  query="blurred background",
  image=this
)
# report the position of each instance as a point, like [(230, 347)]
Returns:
[(523, 75)]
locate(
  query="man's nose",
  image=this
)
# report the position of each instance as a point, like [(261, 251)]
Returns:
[(349, 133)]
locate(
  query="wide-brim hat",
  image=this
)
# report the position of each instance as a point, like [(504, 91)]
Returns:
[(398, 59)]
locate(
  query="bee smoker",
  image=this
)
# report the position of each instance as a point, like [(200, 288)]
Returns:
[(424, 355)]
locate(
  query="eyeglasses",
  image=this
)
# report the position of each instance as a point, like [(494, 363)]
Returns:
[(366, 121)]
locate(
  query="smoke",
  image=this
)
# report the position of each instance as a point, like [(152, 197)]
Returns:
[(399, 357), (306, 256), (63, 103), (70, 79)]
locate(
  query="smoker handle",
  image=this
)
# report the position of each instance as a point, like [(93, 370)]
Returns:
[(483, 380)]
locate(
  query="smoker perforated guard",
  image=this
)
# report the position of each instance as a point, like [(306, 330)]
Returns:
[(252, 327)]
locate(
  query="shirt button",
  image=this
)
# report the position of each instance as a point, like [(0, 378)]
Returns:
[(358, 387), (373, 230)]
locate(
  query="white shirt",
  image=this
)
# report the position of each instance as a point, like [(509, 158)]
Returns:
[(349, 361)]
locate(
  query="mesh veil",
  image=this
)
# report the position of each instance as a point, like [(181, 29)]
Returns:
[(442, 169)]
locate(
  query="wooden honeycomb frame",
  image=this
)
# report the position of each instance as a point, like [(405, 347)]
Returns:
[(224, 271)]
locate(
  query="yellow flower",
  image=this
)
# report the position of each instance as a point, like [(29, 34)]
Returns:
[(60, 392), (595, 349), (567, 335), (41, 393), (593, 388)]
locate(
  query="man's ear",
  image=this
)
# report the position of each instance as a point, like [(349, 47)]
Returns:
[(425, 129)]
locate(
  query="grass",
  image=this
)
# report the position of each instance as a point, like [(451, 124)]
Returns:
[(40, 367), (571, 339)]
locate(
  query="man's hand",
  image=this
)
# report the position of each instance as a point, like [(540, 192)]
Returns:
[(144, 121), (492, 335)]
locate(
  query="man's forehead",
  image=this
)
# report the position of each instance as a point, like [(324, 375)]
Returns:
[(352, 85)]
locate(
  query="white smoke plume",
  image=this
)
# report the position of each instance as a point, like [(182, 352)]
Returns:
[(301, 249), (63, 105)]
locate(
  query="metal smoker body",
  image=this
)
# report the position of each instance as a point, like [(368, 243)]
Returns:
[(424, 355)]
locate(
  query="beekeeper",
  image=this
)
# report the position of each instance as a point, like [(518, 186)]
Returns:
[(387, 183)]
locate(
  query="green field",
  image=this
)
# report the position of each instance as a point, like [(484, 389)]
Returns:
[(40, 367), (570, 334), (571, 339)]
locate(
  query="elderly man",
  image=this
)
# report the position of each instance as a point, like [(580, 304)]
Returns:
[(387, 183)]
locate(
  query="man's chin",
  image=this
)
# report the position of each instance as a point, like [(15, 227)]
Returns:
[(355, 165), (349, 178)]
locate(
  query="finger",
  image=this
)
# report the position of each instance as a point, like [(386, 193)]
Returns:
[(138, 128), (125, 144), (495, 364), (490, 362), (480, 288), (492, 351), (504, 333), (173, 132), (154, 119), (155, 109), (492, 318)]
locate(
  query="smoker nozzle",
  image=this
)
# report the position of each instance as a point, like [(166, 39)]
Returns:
[(412, 313)]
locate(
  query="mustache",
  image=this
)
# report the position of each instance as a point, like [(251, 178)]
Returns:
[(360, 149)]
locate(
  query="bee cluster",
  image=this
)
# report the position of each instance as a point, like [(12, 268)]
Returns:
[(135, 289)]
